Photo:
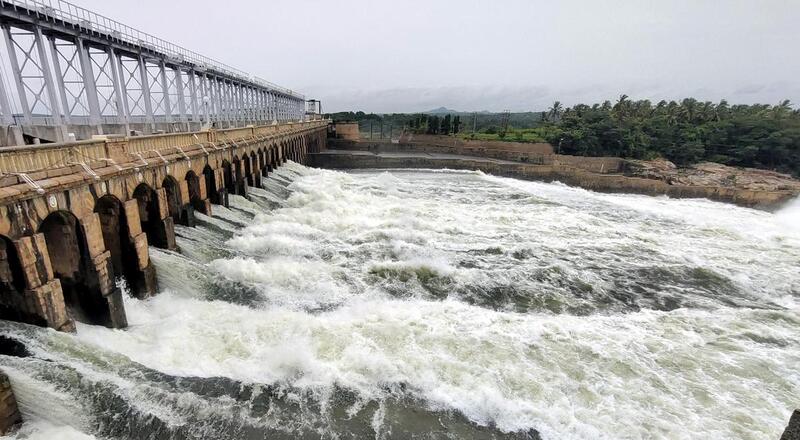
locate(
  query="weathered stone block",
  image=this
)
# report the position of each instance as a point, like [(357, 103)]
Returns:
[(34, 259), (104, 271), (168, 230), (94, 234), (147, 283), (47, 302), (184, 190), (116, 150), (163, 203), (142, 255), (202, 182), (219, 178), (10, 416), (131, 208), (116, 309)]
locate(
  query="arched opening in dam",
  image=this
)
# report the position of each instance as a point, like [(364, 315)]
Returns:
[(248, 171), (12, 285), (271, 158), (240, 182), (262, 162), (211, 185), (174, 203), (254, 178), (195, 198), (73, 266), (150, 215), (117, 239), (228, 177)]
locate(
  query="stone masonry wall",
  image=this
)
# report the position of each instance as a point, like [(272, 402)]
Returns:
[(555, 172)]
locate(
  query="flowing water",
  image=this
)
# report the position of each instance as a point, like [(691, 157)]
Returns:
[(422, 304)]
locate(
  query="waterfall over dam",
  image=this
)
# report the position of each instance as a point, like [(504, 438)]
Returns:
[(438, 304)]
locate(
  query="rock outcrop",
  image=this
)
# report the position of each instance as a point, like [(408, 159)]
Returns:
[(712, 174), (792, 431), (9, 413)]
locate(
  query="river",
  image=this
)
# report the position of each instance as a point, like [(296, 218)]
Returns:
[(439, 304)]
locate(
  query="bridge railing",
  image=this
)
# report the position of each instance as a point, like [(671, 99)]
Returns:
[(92, 21)]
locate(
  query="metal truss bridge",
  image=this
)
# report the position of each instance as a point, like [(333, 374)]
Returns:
[(67, 73)]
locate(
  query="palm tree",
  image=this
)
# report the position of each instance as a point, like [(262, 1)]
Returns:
[(556, 110), (672, 112), (688, 109), (782, 109), (621, 107), (722, 110)]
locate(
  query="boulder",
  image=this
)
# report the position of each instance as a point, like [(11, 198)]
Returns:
[(792, 431)]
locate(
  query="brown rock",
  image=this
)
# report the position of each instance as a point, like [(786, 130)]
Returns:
[(9, 413)]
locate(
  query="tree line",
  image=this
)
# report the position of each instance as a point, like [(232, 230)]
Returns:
[(685, 132), (434, 124)]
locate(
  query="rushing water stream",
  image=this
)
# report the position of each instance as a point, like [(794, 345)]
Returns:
[(440, 305)]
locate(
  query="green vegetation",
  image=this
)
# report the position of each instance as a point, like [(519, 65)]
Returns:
[(685, 132), (760, 136)]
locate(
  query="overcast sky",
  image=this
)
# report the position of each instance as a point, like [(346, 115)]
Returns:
[(415, 55)]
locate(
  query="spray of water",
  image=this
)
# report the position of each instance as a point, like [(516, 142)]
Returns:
[(440, 304)]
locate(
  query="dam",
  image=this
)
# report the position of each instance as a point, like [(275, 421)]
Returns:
[(189, 252), (71, 224)]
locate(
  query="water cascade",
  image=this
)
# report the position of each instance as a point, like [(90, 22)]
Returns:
[(441, 304)]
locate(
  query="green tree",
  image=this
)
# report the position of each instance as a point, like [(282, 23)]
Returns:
[(446, 125)]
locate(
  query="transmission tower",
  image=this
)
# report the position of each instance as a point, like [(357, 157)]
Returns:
[(504, 120)]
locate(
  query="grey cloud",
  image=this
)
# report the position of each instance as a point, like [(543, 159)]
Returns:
[(488, 54)]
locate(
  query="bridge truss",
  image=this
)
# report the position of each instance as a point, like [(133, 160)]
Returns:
[(69, 72)]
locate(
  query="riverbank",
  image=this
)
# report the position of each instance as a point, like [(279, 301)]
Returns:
[(538, 162)]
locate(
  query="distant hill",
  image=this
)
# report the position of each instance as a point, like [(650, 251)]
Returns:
[(445, 110), (441, 111)]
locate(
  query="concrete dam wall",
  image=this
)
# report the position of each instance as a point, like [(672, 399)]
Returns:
[(527, 161)]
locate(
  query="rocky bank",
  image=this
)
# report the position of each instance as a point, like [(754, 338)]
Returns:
[(712, 174)]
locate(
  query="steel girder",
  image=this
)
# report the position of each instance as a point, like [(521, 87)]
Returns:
[(69, 72)]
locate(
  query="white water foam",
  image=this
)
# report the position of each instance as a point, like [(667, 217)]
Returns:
[(330, 263)]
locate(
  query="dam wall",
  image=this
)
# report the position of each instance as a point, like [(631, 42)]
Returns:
[(576, 173), (538, 153), (76, 216)]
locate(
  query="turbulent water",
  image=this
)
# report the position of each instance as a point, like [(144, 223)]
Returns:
[(421, 304)]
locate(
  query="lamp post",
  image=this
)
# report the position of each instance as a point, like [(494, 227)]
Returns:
[(206, 101)]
